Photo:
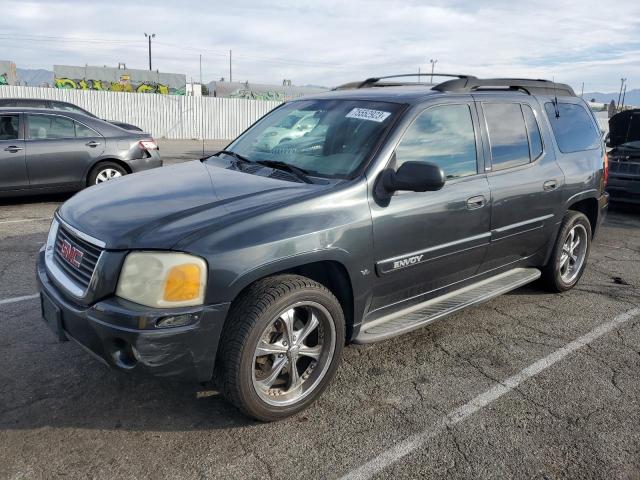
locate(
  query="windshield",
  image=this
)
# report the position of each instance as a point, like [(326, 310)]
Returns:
[(329, 138)]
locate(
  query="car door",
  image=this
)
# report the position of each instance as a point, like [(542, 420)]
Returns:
[(13, 168), (525, 180), (427, 240), (59, 150)]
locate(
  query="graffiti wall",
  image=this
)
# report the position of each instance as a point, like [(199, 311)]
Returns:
[(8, 74), (118, 80), (254, 91)]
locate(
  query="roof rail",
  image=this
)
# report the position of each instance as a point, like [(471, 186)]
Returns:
[(529, 86), (375, 81)]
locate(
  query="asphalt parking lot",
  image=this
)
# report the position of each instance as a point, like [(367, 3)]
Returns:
[(529, 385)]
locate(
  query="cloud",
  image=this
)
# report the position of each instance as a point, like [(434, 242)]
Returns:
[(331, 42)]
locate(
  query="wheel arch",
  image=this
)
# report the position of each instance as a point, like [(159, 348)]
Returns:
[(588, 206), (118, 161), (331, 273)]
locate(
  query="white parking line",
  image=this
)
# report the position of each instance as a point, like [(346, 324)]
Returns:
[(19, 299), (460, 414), (4, 222)]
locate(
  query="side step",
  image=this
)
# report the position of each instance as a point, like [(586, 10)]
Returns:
[(425, 313)]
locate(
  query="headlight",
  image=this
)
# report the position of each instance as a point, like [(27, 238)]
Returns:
[(163, 279)]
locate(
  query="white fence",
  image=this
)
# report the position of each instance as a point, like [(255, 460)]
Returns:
[(164, 116)]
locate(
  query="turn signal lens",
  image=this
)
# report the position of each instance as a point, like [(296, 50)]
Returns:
[(606, 169), (183, 283)]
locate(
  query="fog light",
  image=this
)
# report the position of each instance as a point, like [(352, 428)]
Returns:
[(174, 321)]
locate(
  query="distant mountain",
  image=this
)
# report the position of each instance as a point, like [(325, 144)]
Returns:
[(632, 97), (34, 78)]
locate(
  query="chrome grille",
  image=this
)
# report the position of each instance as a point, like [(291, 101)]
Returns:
[(81, 275)]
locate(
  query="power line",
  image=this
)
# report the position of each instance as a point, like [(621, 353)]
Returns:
[(133, 43)]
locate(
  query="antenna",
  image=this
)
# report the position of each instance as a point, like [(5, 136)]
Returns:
[(555, 94)]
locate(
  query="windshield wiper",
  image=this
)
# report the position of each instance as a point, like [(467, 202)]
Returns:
[(297, 171), (235, 155)]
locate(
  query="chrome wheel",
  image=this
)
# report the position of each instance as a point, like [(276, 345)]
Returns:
[(107, 174), (574, 252), (293, 354)]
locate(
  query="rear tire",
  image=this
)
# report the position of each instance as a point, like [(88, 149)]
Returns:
[(105, 171), (278, 324), (570, 253)]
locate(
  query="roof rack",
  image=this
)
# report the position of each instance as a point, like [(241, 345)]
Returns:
[(375, 81), (529, 86)]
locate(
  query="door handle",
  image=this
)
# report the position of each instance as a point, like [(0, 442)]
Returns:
[(13, 149), (476, 202), (549, 185), (92, 144)]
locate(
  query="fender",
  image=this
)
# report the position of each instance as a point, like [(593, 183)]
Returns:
[(342, 257)]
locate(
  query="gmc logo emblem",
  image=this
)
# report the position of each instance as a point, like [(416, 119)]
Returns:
[(71, 254)]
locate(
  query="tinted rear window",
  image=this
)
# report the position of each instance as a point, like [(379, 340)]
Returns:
[(507, 135), (574, 129)]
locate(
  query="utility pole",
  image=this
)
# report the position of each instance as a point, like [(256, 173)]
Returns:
[(418, 74), (230, 73), (624, 94), (622, 80), (433, 66), (150, 36), (582, 90), (201, 108)]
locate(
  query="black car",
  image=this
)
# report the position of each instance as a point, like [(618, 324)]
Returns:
[(59, 105), (254, 267), (624, 156), (43, 151)]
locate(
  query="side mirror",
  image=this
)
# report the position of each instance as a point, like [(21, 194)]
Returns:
[(414, 177)]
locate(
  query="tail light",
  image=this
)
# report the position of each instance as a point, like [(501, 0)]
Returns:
[(148, 144), (606, 169)]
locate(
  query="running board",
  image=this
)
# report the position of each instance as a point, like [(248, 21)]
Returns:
[(425, 313)]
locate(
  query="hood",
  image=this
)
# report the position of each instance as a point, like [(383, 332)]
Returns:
[(157, 208), (624, 127)]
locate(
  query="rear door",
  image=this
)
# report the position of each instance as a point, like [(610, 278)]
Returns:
[(524, 178), (59, 150), (13, 168)]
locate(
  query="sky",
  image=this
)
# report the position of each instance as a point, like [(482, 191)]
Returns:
[(330, 42)]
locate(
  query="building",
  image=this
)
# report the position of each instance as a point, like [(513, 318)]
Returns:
[(119, 79), (8, 75)]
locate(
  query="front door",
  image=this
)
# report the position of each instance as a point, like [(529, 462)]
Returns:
[(59, 150), (427, 240), (13, 169)]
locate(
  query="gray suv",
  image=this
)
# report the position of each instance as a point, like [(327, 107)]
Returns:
[(254, 267)]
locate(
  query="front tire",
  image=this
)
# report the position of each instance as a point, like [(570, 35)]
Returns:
[(281, 347), (570, 253)]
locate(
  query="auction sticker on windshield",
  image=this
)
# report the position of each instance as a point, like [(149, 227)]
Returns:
[(368, 114)]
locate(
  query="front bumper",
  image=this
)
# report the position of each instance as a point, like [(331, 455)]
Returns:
[(124, 335)]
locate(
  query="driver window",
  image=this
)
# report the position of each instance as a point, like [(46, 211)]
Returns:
[(444, 136)]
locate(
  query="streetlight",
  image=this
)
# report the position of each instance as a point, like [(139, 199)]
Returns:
[(433, 66), (150, 36)]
